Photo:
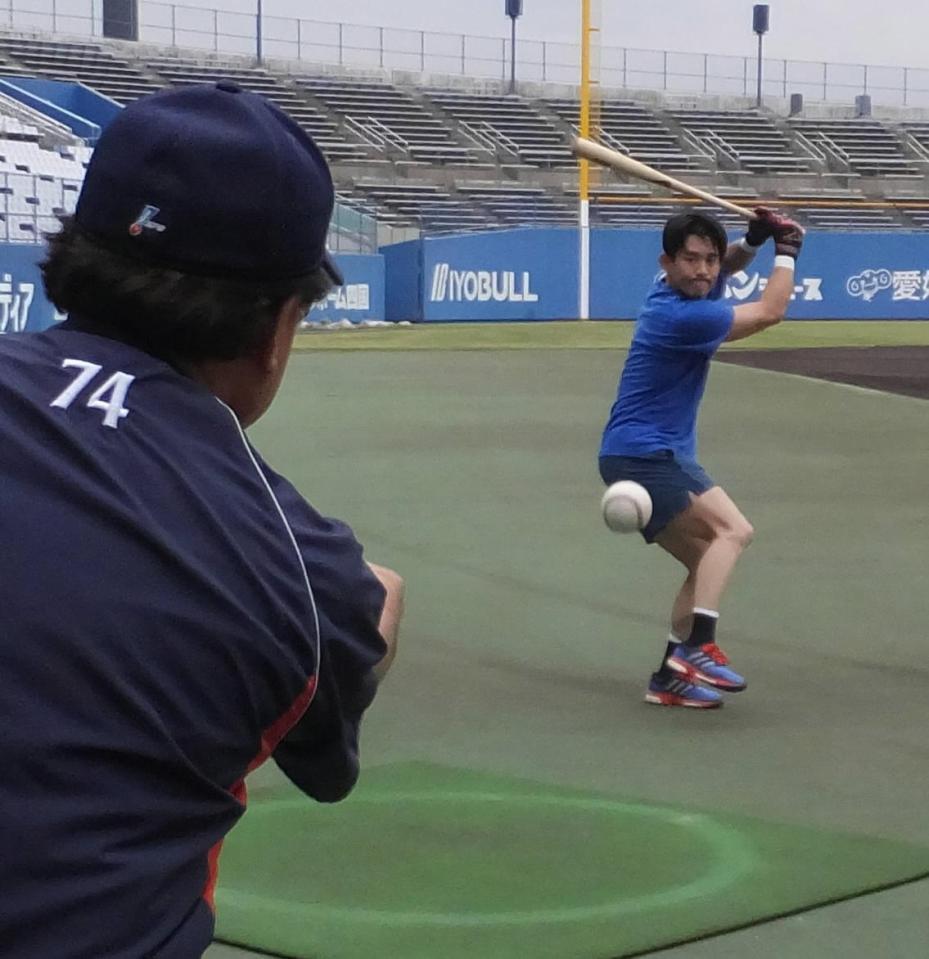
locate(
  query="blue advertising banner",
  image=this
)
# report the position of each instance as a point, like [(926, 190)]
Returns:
[(867, 276), (623, 266), (403, 265), (23, 305), (362, 297), (504, 275), (531, 274), (517, 275)]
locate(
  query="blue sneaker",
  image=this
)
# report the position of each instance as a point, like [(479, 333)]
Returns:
[(671, 691), (705, 664)]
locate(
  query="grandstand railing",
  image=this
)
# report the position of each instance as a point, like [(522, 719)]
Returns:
[(810, 147), (720, 148), (832, 150), (313, 41), (696, 147), (487, 137), (374, 133), (916, 146)]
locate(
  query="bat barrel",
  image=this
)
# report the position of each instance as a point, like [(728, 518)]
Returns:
[(641, 171)]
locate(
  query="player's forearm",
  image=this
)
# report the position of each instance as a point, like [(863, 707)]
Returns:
[(752, 318), (738, 256), (779, 290)]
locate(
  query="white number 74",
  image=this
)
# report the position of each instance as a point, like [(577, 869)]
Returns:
[(117, 386)]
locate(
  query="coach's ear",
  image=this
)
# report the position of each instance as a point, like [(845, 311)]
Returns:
[(664, 261), (278, 347), (260, 373)]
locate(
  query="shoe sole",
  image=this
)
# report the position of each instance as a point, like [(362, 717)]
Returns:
[(667, 699), (691, 674)]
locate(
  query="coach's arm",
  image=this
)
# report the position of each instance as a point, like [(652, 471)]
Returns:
[(391, 614), (320, 754)]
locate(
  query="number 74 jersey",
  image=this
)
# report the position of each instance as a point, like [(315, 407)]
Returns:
[(169, 607)]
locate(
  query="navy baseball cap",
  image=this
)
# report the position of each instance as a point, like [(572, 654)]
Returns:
[(210, 180)]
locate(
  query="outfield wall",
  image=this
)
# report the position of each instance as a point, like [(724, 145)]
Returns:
[(23, 305), (524, 275), (532, 274)]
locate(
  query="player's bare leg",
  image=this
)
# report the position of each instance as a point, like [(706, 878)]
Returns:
[(666, 687), (714, 520), (688, 551), (708, 537)]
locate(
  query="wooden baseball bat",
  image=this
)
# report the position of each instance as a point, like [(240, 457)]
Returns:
[(641, 171)]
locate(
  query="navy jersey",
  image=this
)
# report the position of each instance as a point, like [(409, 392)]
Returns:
[(169, 607), (665, 372)]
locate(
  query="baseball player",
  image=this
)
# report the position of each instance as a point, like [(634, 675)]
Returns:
[(650, 436), (173, 611)]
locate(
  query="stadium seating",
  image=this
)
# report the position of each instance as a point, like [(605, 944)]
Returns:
[(18, 156), (509, 126), (180, 72), (517, 205), (634, 205), (112, 76), (913, 209), (435, 159), (841, 210), (30, 204), (386, 118), (744, 141), (864, 146), (633, 129), (424, 204)]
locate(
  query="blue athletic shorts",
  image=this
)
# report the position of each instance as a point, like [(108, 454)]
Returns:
[(669, 480)]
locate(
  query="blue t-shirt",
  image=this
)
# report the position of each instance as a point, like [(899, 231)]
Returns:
[(169, 608), (665, 373)]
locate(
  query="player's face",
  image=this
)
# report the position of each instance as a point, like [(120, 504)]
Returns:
[(695, 268)]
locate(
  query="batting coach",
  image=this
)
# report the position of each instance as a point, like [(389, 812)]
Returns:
[(172, 611)]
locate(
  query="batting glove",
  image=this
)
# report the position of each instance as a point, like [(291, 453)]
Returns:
[(762, 227), (788, 238)]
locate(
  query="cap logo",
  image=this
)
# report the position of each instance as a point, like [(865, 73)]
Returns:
[(146, 221)]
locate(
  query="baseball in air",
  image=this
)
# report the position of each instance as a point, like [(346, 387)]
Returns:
[(626, 506)]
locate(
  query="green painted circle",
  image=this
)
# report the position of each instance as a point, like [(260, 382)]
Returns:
[(466, 859)]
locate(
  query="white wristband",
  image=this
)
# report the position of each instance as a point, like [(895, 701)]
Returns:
[(785, 262), (746, 247)]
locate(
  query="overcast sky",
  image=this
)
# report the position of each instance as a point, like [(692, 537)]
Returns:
[(892, 32)]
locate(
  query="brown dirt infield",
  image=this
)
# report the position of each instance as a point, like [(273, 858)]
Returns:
[(893, 369)]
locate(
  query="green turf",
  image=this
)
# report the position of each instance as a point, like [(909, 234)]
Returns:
[(530, 630), (602, 335), (425, 861)]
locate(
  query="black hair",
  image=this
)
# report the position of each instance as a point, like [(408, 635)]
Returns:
[(175, 316), (683, 225)]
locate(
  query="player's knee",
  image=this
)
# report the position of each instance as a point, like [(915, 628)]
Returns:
[(740, 534), (744, 534)]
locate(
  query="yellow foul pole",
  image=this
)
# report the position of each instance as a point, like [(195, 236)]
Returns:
[(583, 299)]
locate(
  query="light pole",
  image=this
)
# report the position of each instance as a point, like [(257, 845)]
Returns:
[(760, 26), (514, 9), (258, 33)]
